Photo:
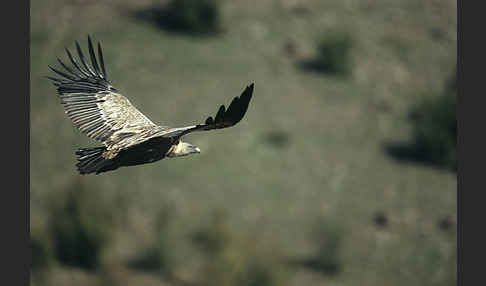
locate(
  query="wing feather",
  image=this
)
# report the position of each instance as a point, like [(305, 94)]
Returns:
[(92, 55), (75, 63), (102, 62), (81, 57), (95, 107), (223, 119), (97, 110)]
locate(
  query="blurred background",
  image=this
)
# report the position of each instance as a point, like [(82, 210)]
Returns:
[(343, 171)]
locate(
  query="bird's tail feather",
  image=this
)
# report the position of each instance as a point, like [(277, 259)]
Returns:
[(90, 160)]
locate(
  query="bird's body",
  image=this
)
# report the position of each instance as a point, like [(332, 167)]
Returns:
[(129, 137)]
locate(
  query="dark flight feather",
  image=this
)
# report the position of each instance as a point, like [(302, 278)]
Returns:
[(94, 63), (77, 74), (63, 74), (224, 117), (82, 80), (75, 63), (81, 57), (235, 112), (102, 62)]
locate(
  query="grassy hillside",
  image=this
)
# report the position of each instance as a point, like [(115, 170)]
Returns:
[(301, 192)]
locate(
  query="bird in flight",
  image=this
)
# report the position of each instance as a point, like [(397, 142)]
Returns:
[(97, 109)]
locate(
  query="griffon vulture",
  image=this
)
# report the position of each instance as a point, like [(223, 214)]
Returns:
[(129, 137)]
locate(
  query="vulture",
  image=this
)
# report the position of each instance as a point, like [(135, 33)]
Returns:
[(129, 138)]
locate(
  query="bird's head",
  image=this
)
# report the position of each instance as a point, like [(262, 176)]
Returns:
[(183, 149)]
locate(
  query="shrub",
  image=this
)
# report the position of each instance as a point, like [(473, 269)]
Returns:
[(334, 52), (328, 238), (277, 139), (213, 237), (79, 229), (191, 16), (40, 252), (434, 127), (231, 258), (158, 257), (257, 273)]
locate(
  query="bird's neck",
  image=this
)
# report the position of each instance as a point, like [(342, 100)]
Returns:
[(177, 150)]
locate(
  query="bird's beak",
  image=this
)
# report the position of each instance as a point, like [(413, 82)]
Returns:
[(197, 150)]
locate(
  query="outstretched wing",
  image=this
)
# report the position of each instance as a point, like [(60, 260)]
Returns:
[(92, 103), (224, 117)]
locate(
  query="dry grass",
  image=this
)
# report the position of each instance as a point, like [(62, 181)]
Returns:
[(333, 164)]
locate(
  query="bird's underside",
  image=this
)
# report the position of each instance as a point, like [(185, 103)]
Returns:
[(129, 138)]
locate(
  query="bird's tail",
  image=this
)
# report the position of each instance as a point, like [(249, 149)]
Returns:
[(90, 160)]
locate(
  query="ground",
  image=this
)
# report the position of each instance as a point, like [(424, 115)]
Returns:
[(309, 155)]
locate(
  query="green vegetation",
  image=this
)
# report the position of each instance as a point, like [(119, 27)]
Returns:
[(195, 17), (41, 254), (434, 130), (310, 149), (158, 257), (435, 127), (233, 258), (79, 229), (329, 238), (212, 238), (259, 273), (335, 53)]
